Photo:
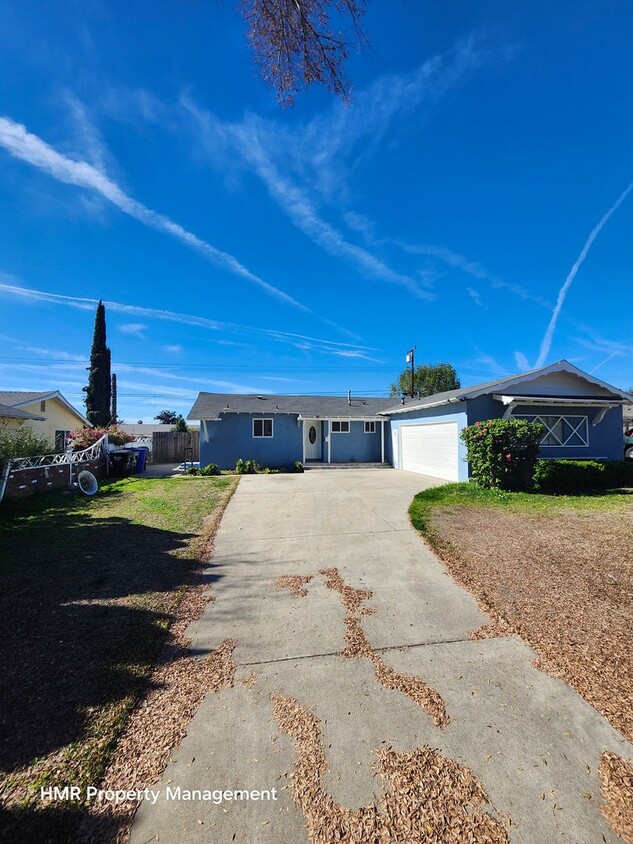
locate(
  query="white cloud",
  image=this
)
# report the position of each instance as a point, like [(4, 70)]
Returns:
[(30, 295), (474, 295), (472, 268), (135, 328), (521, 361), (173, 349), (546, 343), (27, 147), (307, 170)]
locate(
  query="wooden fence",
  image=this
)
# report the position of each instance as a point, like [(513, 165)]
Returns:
[(173, 446)]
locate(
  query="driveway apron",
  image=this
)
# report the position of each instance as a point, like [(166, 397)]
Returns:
[(532, 743)]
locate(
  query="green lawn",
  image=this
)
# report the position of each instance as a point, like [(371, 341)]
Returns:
[(89, 589), (469, 495)]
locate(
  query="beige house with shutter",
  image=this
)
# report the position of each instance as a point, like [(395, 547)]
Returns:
[(49, 414)]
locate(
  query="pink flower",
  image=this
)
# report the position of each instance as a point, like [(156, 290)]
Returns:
[(478, 424)]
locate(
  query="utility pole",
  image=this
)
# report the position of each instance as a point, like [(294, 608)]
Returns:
[(113, 416), (410, 359)]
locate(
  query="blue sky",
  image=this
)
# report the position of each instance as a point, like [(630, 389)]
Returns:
[(472, 200)]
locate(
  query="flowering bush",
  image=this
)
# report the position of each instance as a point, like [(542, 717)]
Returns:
[(85, 437), (502, 452)]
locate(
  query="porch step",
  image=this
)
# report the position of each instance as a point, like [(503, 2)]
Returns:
[(309, 465)]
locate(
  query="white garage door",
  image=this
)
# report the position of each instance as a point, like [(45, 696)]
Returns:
[(430, 450)]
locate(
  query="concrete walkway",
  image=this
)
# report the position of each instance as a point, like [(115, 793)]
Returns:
[(531, 741), (161, 470)]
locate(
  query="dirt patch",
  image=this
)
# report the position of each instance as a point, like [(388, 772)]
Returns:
[(295, 583), (616, 778), (358, 646), (428, 798), (563, 581)]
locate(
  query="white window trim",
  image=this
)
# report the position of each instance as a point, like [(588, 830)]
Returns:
[(263, 436), (370, 427), (340, 422), (575, 429)]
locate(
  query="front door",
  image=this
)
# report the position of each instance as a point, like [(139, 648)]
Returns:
[(312, 439)]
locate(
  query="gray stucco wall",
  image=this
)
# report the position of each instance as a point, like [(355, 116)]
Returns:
[(232, 437)]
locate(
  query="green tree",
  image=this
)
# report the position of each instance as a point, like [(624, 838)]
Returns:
[(181, 424), (99, 389), (167, 417), (428, 379)]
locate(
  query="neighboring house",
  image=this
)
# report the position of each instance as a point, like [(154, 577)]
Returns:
[(9, 415), (49, 414), (143, 432), (582, 417)]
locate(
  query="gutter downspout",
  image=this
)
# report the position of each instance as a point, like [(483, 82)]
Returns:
[(382, 440)]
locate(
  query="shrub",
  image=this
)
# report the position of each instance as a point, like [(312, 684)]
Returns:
[(566, 477), (211, 469), (618, 473), (297, 466), (85, 437), (193, 471), (246, 467), (502, 452), (21, 442)]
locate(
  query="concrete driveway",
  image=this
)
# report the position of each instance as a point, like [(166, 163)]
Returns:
[(531, 742)]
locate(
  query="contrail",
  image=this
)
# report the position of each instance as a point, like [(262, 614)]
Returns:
[(25, 146), (549, 333)]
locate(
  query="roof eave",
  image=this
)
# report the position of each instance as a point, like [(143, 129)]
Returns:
[(426, 406)]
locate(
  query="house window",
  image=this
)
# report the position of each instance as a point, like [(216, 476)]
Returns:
[(262, 427), (42, 405), (370, 427), (562, 430), (60, 440), (340, 427)]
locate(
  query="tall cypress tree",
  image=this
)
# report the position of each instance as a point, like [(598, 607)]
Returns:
[(98, 392)]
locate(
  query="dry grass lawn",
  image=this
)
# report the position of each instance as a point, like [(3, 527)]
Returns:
[(557, 571)]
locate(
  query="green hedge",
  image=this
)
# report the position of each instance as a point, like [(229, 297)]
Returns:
[(571, 476)]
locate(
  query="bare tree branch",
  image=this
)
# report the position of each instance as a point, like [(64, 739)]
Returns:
[(295, 43)]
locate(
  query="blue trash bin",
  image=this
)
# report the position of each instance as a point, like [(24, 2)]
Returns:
[(141, 459), (137, 455)]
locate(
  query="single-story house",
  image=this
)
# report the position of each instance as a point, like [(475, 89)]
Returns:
[(582, 417), (48, 413)]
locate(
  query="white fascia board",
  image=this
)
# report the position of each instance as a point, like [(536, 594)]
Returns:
[(376, 418), (552, 400), (411, 408)]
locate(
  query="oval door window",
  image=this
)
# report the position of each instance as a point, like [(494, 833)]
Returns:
[(312, 435)]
